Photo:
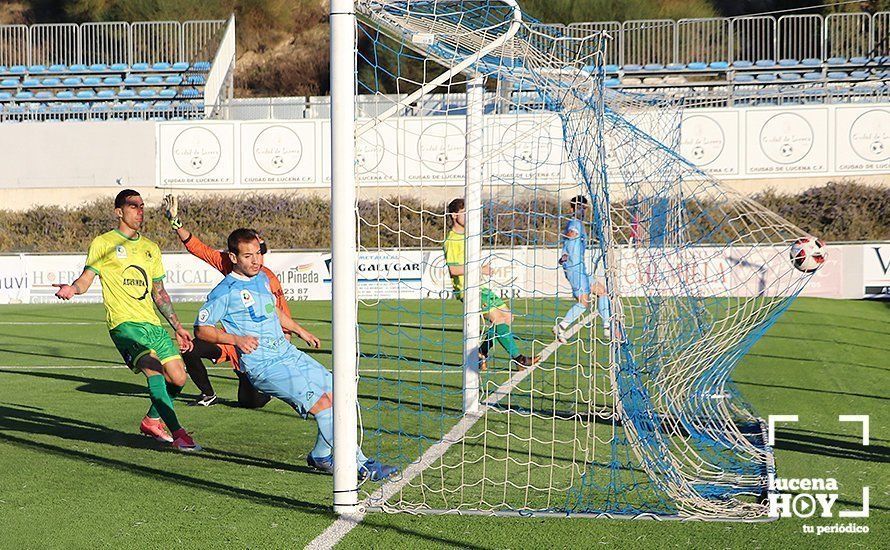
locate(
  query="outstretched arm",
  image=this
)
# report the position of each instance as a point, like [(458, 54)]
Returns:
[(165, 306), (193, 244), (79, 286)]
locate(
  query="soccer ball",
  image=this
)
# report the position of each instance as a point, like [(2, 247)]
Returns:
[(808, 254)]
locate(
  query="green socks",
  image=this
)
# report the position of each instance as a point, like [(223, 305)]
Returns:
[(162, 402), (504, 336), (172, 391)]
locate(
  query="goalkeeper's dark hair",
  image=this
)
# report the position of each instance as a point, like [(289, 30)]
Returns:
[(240, 235), (455, 206), (580, 199), (121, 199)]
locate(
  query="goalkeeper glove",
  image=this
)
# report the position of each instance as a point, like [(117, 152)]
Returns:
[(171, 211)]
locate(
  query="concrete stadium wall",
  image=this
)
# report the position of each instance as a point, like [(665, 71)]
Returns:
[(750, 149)]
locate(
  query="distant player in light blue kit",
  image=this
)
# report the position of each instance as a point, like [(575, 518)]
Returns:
[(245, 305), (574, 246)]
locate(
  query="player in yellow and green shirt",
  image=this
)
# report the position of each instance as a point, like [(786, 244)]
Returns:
[(494, 309), (130, 268)]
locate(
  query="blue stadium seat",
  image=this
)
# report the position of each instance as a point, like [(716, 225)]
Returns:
[(86, 94), (653, 67), (142, 106), (859, 60), (15, 110), (789, 77), (37, 69), (838, 75), (78, 68), (719, 65), (57, 68), (195, 80), (92, 81), (112, 81), (191, 92), (23, 95), (30, 83), (174, 79), (676, 66), (126, 94), (162, 106), (43, 95), (812, 76), (608, 83), (120, 107), (9, 83), (788, 63), (180, 66), (160, 66), (201, 66), (742, 78), (119, 67), (147, 93), (611, 68), (99, 108), (696, 66), (765, 63), (154, 80), (860, 74), (72, 81), (132, 79), (98, 67), (105, 94), (52, 81), (811, 62), (18, 69), (837, 61), (766, 77), (4, 96), (742, 64), (632, 67), (78, 108), (167, 93), (65, 95), (139, 67)]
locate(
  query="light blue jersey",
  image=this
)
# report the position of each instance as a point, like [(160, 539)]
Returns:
[(246, 307), (574, 247)]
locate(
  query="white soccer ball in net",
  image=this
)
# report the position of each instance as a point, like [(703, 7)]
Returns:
[(808, 254)]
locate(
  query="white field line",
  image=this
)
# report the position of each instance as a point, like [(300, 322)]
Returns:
[(342, 526)]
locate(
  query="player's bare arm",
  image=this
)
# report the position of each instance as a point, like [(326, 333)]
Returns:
[(456, 270), (289, 324), (213, 335), (79, 286), (165, 306)]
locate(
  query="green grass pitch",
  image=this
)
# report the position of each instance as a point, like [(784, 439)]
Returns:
[(76, 474)]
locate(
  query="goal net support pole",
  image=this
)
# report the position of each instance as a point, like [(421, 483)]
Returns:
[(343, 256)]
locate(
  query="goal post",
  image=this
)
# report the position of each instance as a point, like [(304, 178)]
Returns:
[(631, 410)]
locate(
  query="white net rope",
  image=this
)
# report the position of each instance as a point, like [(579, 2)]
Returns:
[(635, 413)]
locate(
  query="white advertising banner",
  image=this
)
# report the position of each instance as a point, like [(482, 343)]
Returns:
[(783, 142), (277, 154), (376, 153), (196, 154), (862, 139), (709, 139), (433, 149), (516, 273), (524, 148), (876, 270)]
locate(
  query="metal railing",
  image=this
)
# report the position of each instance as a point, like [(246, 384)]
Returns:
[(219, 79), (108, 43)]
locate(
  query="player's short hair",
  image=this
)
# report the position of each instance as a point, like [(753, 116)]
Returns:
[(121, 199), (580, 199), (240, 235), (456, 205)]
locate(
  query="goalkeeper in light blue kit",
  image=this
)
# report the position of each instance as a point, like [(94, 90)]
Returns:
[(574, 246), (243, 302)]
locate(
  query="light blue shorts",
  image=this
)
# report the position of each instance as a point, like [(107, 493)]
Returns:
[(578, 280), (294, 377)]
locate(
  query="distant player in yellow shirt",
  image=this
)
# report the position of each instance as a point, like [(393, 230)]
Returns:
[(494, 309), (130, 268)]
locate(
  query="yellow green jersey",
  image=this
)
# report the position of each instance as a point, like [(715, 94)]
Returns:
[(127, 268), (455, 254)]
